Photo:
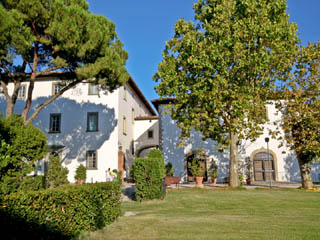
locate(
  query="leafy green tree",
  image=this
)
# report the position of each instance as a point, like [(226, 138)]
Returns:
[(56, 175), (21, 148), (221, 68), (300, 109), (39, 38)]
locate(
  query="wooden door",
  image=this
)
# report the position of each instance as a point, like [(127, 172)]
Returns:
[(258, 170), (263, 167)]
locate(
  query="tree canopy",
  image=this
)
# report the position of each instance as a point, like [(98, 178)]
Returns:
[(222, 67), (38, 38), (300, 109)]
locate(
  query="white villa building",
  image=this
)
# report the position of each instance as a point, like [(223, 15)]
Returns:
[(103, 130), (88, 126), (265, 160)]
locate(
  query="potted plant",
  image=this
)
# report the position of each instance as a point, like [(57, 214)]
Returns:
[(169, 169), (213, 172), (197, 170), (170, 179), (247, 171), (81, 174)]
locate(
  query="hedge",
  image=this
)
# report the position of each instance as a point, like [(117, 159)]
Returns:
[(148, 174), (60, 213)]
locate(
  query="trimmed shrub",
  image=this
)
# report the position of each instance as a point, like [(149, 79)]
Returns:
[(148, 174), (154, 153), (32, 183), (81, 173), (60, 213), (56, 174)]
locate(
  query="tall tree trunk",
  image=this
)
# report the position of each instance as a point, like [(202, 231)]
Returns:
[(11, 100), (9, 108), (233, 166), (305, 171)]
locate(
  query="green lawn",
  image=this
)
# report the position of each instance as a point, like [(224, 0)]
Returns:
[(220, 214)]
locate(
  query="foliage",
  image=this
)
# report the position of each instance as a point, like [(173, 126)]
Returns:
[(300, 109), (169, 169), (46, 40), (220, 68), (56, 174), (148, 175), (81, 172), (213, 169), (196, 167), (21, 148), (155, 153), (32, 183), (64, 211), (197, 164)]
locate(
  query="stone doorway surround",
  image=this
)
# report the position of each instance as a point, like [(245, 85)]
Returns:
[(275, 162)]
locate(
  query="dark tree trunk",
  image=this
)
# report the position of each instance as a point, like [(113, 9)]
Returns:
[(233, 166), (305, 171)]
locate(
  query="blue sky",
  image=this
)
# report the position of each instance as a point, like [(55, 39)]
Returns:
[(145, 25)]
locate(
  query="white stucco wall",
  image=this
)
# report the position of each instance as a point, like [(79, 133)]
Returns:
[(287, 165), (74, 106), (131, 101), (141, 139)]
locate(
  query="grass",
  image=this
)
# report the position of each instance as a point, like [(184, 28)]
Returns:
[(220, 214)]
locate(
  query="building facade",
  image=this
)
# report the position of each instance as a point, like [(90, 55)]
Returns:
[(265, 161), (87, 125)]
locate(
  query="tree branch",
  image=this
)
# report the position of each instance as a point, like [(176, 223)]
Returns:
[(5, 69), (48, 71), (51, 99)]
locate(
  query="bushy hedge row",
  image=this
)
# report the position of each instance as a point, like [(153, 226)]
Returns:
[(148, 174), (60, 213)]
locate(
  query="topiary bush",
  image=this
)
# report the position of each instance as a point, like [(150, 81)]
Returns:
[(60, 213), (56, 174), (81, 173), (148, 174)]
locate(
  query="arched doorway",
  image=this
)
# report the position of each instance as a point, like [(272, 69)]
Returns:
[(203, 163), (264, 166)]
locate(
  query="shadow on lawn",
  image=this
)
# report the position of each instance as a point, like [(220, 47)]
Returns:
[(17, 228)]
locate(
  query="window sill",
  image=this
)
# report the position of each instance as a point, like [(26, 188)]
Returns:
[(50, 132), (92, 168), (92, 131)]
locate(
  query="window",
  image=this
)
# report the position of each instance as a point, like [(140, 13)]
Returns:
[(93, 89), (55, 123), (133, 115), (125, 93), (150, 133), (56, 87), (124, 125), (22, 92), (92, 122), (92, 160), (132, 147)]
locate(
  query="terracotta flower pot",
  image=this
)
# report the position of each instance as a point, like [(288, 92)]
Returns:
[(199, 180), (213, 180), (80, 181), (248, 180)]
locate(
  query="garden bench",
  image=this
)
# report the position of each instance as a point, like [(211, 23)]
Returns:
[(172, 180)]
